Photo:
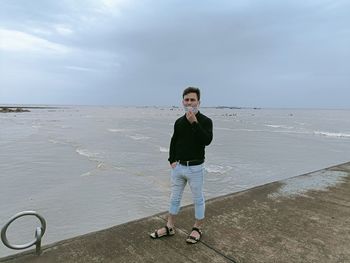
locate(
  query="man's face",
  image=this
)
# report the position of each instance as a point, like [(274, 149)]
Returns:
[(190, 100)]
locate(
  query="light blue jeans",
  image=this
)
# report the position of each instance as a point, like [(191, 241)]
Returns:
[(194, 175)]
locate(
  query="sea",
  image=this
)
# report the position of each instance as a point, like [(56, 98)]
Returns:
[(87, 168)]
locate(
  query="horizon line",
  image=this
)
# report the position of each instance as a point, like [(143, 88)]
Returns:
[(167, 106)]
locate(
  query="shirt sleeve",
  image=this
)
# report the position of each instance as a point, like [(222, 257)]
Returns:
[(172, 150), (203, 131)]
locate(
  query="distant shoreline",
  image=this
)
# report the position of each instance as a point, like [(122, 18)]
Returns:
[(30, 107), (15, 109)]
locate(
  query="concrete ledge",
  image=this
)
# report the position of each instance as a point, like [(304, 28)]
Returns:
[(302, 219)]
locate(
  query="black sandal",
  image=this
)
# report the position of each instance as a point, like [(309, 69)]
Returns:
[(193, 240), (169, 232)]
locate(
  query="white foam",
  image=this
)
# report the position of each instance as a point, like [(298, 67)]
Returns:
[(279, 126), (163, 149), (101, 166), (230, 129), (94, 171), (86, 174), (138, 137), (116, 130), (108, 166), (87, 153), (332, 134), (53, 141), (291, 132), (212, 168)]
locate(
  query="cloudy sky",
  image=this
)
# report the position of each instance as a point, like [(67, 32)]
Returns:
[(250, 53)]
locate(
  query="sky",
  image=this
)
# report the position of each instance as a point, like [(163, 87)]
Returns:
[(243, 53)]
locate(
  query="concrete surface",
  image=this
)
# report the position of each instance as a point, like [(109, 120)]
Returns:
[(302, 219)]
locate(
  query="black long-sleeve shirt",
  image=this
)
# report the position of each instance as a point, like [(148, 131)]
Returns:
[(189, 140)]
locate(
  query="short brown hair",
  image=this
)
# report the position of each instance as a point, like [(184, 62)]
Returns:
[(192, 90)]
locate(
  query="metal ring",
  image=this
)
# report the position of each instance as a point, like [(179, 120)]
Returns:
[(38, 235)]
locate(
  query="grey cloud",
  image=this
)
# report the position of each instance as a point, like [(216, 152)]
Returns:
[(281, 51)]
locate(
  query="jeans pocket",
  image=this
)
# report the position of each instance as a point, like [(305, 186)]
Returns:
[(196, 168), (173, 170)]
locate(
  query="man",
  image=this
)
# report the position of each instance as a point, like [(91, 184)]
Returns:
[(192, 132)]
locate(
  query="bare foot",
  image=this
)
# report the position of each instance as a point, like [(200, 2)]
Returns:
[(195, 236)]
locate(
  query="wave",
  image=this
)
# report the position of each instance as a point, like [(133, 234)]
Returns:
[(212, 168), (86, 174), (332, 134), (163, 149), (116, 130), (292, 132), (101, 167), (231, 129), (138, 137), (87, 153), (279, 126), (54, 141)]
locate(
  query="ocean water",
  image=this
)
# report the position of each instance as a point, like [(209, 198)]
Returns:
[(89, 168)]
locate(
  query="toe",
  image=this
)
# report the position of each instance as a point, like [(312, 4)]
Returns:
[(195, 234)]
